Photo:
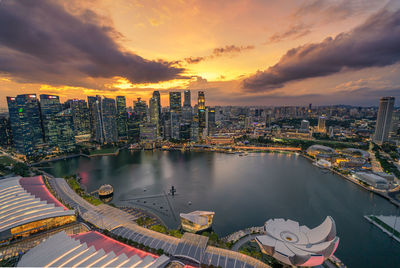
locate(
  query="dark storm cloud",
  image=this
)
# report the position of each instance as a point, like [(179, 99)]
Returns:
[(294, 32), (375, 43), (219, 52), (40, 41)]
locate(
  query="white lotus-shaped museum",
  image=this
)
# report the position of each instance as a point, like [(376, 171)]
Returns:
[(297, 245)]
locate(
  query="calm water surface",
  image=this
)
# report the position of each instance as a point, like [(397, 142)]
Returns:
[(243, 191)]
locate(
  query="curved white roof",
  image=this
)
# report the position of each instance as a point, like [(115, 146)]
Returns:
[(199, 217), (317, 147), (293, 244), (61, 250), (26, 202)]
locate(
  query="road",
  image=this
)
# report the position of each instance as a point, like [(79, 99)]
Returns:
[(243, 241)]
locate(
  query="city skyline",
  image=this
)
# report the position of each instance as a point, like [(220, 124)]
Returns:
[(244, 53)]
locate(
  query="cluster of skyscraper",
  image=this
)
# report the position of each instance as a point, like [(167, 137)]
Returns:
[(47, 126)]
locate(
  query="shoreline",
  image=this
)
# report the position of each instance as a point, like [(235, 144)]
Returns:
[(384, 195)]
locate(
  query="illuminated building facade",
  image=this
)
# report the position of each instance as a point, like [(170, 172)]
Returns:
[(121, 117), (61, 130), (140, 108), (154, 114), (25, 123), (133, 128), (94, 112), (175, 101), (196, 221), (187, 102), (26, 207), (201, 101), (322, 124), (50, 106), (80, 114)]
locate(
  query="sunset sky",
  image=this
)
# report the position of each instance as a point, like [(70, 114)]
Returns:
[(240, 52)]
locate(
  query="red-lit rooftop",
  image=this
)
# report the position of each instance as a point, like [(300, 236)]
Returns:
[(35, 186), (100, 241)]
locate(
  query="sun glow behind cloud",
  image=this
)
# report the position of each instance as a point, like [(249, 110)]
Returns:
[(135, 47)]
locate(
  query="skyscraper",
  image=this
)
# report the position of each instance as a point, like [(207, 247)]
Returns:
[(202, 101), (383, 121), (322, 124), (25, 123), (154, 115), (133, 127), (187, 99), (175, 101), (94, 109), (140, 109), (49, 106), (121, 117), (157, 97), (80, 114), (62, 138), (109, 120), (104, 120), (210, 121)]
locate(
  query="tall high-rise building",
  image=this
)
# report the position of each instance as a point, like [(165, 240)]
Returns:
[(187, 99), (154, 115), (201, 106), (49, 106), (121, 117), (140, 109), (105, 120), (175, 101), (62, 138), (133, 127), (187, 114), (210, 121), (109, 120), (175, 124), (194, 129), (94, 109), (81, 116), (383, 121), (201, 101), (322, 124), (25, 123), (157, 97)]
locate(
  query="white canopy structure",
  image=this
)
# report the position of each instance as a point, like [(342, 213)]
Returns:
[(297, 245), (197, 220)]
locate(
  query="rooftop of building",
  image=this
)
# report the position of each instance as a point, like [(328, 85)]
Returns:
[(90, 249), (25, 200)]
